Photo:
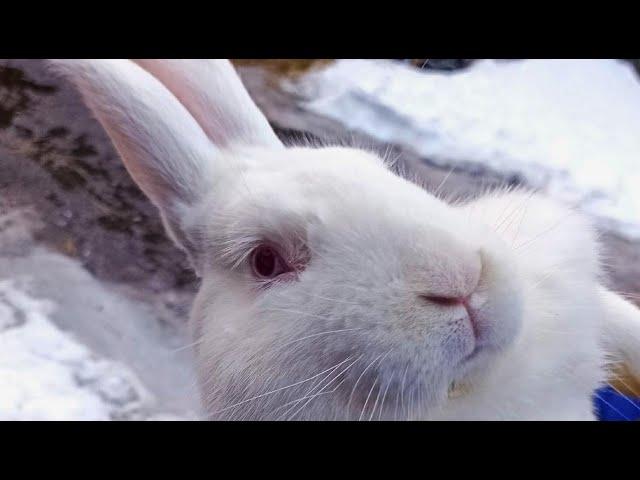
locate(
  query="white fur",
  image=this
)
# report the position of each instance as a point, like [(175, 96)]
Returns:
[(356, 335)]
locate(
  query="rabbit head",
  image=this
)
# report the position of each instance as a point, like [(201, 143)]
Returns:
[(332, 288)]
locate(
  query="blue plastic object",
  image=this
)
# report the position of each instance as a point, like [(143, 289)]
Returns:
[(613, 406)]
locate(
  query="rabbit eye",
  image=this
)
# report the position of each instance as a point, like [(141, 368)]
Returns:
[(267, 263)]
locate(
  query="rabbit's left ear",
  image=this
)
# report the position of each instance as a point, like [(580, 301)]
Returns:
[(162, 146), (622, 337), (213, 93), (169, 121)]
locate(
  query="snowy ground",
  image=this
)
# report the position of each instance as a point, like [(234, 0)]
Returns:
[(76, 348), (568, 127), (47, 375)]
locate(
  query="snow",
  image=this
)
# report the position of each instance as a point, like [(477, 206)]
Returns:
[(46, 375), (568, 127), (74, 347)]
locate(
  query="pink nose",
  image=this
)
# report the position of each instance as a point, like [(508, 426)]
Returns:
[(454, 302), (445, 301), (452, 279)]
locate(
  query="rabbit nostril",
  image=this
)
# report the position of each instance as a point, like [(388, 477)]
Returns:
[(444, 301)]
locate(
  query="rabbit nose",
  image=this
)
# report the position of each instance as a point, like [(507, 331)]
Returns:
[(452, 283), (445, 301), (464, 302)]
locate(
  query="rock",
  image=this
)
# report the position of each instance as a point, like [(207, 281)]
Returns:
[(55, 158)]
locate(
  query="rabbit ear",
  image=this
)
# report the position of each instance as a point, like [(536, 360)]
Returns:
[(214, 94), (622, 333), (163, 147)]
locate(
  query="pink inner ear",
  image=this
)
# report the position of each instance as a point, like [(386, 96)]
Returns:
[(214, 95), (149, 127)]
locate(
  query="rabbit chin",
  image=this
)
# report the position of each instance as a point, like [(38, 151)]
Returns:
[(396, 389)]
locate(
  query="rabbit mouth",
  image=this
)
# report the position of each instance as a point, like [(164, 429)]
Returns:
[(401, 385), (476, 360), (401, 389), (382, 387), (477, 351)]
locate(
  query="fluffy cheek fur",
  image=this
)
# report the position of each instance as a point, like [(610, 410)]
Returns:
[(557, 361), (313, 350), (239, 352), (552, 369), (264, 356)]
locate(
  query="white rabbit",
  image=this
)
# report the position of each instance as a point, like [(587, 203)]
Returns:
[(334, 289)]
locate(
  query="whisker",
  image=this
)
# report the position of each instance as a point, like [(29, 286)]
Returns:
[(311, 391), (321, 333), (504, 217), (507, 221), (280, 389), (444, 180), (364, 407), (297, 312), (375, 405), (384, 396), (544, 232), (404, 377), (185, 347), (323, 388), (332, 299), (360, 377)]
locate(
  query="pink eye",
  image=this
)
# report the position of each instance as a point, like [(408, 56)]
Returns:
[(267, 263)]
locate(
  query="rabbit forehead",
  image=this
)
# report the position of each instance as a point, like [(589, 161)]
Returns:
[(329, 191)]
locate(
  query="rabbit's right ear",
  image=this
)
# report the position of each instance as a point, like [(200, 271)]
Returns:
[(214, 94)]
